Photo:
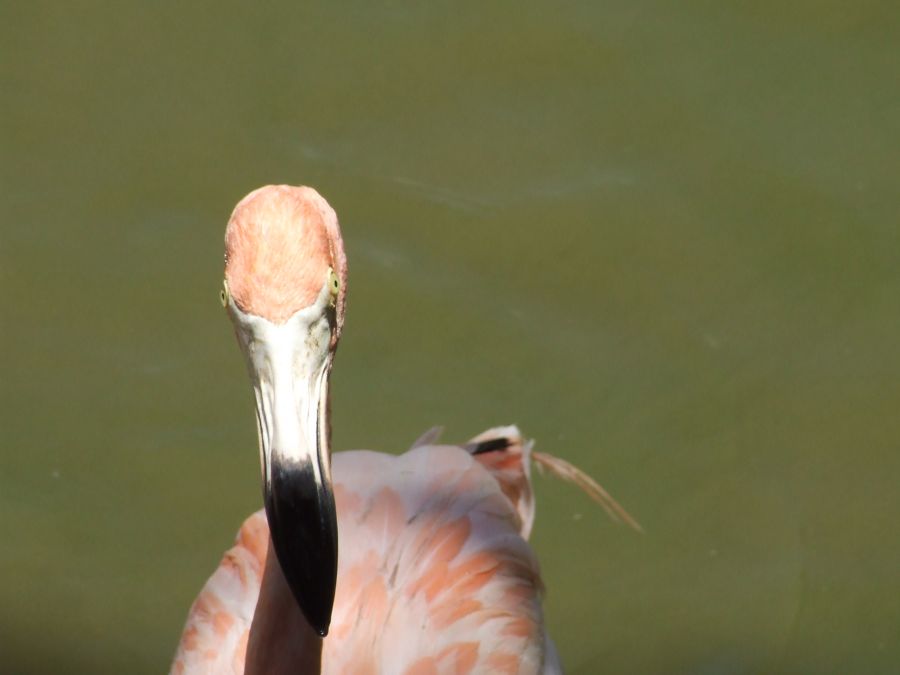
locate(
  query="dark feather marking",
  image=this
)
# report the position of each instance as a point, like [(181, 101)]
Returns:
[(488, 446)]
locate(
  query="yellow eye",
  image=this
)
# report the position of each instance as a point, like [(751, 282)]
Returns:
[(223, 294), (334, 285)]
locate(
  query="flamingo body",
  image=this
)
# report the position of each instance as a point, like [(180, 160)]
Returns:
[(434, 576)]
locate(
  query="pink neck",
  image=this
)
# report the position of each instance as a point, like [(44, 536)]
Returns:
[(281, 640)]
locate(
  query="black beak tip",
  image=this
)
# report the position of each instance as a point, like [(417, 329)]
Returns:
[(317, 610), (303, 526)]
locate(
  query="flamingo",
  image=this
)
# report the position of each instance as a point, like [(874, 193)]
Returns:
[(435, 574)]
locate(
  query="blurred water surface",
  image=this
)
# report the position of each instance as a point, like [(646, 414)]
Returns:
[(661, 237)]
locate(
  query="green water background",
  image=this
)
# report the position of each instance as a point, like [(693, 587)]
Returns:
[(661, 237)]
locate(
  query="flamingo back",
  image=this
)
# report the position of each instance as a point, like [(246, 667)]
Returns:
[(434, 577)]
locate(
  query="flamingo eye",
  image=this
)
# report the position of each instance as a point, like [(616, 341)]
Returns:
[(334, 285), (223, 294)]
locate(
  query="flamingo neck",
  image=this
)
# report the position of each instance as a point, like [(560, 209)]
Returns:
[(281, 640)]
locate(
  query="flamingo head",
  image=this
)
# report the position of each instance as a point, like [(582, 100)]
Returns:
[(284, 290)]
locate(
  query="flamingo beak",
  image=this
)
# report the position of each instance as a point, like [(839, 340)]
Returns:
[(289, 366)]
